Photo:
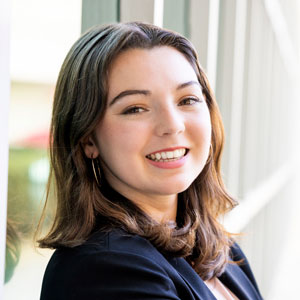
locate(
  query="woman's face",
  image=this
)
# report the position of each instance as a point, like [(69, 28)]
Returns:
[(155, 135)]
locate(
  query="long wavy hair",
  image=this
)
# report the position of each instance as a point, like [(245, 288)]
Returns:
[(79, 104)]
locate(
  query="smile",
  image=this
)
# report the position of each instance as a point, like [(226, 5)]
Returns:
[(167, 156)]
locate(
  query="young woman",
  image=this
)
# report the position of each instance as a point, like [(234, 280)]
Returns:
[(136, 142)]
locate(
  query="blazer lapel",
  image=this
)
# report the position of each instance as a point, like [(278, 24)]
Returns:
[(236, 280), (192, 279)]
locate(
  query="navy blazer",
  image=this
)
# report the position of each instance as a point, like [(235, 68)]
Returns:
[(121, 266)]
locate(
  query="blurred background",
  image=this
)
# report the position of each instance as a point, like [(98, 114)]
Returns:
[(250, 51)]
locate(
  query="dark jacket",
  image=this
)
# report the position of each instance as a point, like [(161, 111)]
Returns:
[(120, 266)]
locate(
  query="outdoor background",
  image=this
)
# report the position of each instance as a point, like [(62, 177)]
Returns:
[(250, 51)]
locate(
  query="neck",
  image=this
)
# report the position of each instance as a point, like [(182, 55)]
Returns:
[(161, 208)]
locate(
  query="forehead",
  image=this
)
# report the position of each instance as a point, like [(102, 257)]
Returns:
[(142, 67)]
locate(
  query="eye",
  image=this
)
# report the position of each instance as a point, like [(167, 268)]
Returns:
[(189, 101), (133, 110)]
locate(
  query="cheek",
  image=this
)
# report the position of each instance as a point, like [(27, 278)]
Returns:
[(118, 139), (200, 129)]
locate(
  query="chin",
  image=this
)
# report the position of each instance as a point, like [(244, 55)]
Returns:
[(175, 187)]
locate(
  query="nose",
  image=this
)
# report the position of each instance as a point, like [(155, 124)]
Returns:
[(169, 121)]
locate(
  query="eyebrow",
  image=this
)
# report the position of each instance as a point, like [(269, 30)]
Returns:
[(192, 82), (147, 92), (128, 93)]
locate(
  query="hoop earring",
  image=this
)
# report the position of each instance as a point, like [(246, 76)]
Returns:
[(94, 170)]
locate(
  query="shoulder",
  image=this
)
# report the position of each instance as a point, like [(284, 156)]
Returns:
[(120, 241), (107, 244), (238, 256), (110, 264), (236, 252), (105, 247)]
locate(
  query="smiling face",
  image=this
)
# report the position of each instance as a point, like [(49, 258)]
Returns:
[(154, 138)]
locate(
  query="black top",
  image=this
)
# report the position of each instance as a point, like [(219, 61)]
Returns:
[(121, 266)]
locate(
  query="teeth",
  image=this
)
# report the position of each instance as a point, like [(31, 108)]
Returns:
[(168, 155), (157, 156), (176, 153)]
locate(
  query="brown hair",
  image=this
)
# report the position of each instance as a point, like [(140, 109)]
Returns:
[(79, 104)]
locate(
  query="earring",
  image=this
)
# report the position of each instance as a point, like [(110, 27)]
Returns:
[(94, 170)]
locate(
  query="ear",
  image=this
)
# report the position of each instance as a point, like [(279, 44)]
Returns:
[(90, 147)]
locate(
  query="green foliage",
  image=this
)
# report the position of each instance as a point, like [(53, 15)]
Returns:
[(24, 196), (13, 250)]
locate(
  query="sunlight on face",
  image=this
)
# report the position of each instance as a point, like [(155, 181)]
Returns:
[(155, 136)]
